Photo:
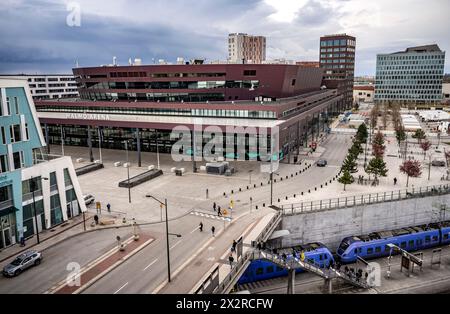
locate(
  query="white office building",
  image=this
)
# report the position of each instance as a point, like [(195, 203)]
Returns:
[(49, 86)]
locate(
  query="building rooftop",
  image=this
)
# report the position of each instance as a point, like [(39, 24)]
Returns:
[(420, 49)]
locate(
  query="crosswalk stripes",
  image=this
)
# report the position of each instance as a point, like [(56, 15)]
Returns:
[(210, 216)]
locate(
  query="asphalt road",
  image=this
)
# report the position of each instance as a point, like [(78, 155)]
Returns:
[(146, 270)]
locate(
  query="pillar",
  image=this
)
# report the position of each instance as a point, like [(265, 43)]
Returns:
[(91, 154), (47, 139), (138, 144), (329, 286), (298, 138), (291, 282)]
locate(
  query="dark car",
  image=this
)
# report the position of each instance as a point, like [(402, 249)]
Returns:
[(322, 163), (21, 263), (438, 163)]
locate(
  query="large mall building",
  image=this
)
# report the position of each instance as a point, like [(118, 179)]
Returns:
[(142, 104)]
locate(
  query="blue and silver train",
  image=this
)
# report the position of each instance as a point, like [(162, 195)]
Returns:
[(375, 245), (258, 270)]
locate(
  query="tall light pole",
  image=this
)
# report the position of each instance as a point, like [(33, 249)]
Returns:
[(157, 148), (100, 144), (33, 189), (128, 173), (167, 234), (62, 140)]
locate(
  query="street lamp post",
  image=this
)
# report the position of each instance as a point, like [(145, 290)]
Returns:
[(33, 189), (167, 234), (128, 173)]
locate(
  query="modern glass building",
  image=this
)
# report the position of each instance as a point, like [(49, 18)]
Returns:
[(412, 77), (24, 170)]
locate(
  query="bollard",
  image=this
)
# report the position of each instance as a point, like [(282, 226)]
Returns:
[(254, 185), (296, 173), (302, 193), (309, 191), (264, 205), (287, 198), (315, 189), (256, 207), (321, 186), (224, 194), (279, 200), (295, 195), (240, 190), (261, 184), (232, 192), (326, 183), (275, 180), (247, 187), (287, 177), (292, 175)]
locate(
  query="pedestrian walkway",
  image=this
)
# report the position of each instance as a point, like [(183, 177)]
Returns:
[(211, 216)]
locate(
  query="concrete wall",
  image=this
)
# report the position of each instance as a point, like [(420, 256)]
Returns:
[(331, 226)]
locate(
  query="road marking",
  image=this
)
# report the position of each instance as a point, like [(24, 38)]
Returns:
[(149, 265), (196, 229), (176, 244), (121, 288)]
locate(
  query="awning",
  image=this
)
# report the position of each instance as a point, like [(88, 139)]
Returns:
[(279, 234)]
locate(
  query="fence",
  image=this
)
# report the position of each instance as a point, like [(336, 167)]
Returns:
[(365, 199), (242, 263)]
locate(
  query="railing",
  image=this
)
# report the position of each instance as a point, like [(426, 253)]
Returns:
[(39, 158), (245, 260), (365, 199), (6, 204)]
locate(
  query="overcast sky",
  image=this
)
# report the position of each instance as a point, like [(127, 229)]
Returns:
[(35, 36)]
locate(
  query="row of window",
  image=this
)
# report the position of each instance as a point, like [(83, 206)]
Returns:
[(409, 97), (338, 42), (409, 67), (51, 79), (337, 50), (172, 85), (170, 112), (409, 76), (337, 55), (14, 109), (413, 57), (337, 61), (156, 97), (18, 162)]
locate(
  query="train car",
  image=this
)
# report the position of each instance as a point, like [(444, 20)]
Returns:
[(375, 245), (262, 270)]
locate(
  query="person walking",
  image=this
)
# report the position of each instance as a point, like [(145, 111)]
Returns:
[(219, 211), (108, 207), (201, 226), (395, 181), (213, 230), (302, 256), (231, 260), (233, 246), (214, 206)]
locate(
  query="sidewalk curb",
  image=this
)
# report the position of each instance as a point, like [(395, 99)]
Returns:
[(112, 267), (200, 250), (44, 240)]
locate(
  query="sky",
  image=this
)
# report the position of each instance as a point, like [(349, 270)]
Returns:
[(48, 36)]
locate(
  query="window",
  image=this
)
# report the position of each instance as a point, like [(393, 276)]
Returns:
[(5, 193), (293, 82), (378, 249), (3, 135), (249, 72), (427, 239), (411, 244), (15, 133), (3, 163), (435, 239), (370, 251), (445, 236), (53, 178), (269, 270), (8, 107), (18, 160), (259, 271), (16, 105)]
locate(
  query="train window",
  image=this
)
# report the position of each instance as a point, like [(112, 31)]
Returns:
[(259, 271), (387, 249), (326, 256), (445, 236), (419, 242), (269, 270), (427, 239), (370, 250), (378, 249), (411, 243), (403, 245), (279, 269), (321, 257), (356, 251), (435, 238)]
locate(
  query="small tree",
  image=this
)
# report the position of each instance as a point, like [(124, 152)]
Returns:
[(362, 133), (400, 134), (378, 145), (426, 145), (346, 178), (419, 135), (412, 169), (377, 167), (349, 164)]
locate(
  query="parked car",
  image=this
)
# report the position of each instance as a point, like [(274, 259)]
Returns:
[(21, 263), (438, 163), (88, 199), (322, 163)]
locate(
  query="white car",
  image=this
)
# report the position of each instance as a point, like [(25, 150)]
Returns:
[(88, 199)]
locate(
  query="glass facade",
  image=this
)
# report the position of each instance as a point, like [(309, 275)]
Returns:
[(410, 77), (216, 113)]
